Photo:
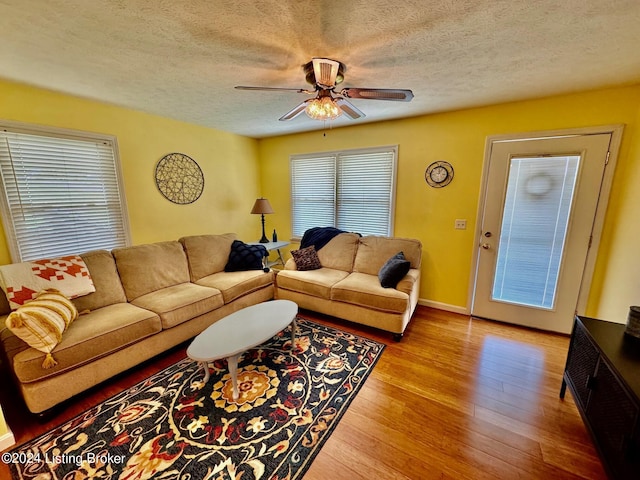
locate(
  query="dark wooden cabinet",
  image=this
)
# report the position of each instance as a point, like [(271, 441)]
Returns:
[(603, 373)]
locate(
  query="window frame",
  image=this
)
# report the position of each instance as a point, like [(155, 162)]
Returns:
[(62, 133), (336, 154)]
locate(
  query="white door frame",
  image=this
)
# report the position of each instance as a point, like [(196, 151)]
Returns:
[(598, 223)]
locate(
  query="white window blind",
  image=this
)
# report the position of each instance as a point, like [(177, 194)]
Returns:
[(61, 194), (352, 190), (313, 192), (535, 222)]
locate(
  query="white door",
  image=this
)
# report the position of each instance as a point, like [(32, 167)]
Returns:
[(541, 198)]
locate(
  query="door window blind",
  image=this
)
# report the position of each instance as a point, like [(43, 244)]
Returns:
[(61, 194), (352, 190)]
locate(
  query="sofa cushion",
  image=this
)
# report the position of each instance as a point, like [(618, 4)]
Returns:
[(178, 303), (339, 253), (306, 259), (313, 282), (148, 268), (365, 290), (91, 336), (11, 344), (374, 251), (245, 257), (41, 322), (393, 270), (234, 285), (4, 304), (207, 254), (106, 280)]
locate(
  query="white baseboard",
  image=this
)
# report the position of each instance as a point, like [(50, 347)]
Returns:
[(7, 440), (444, 306)]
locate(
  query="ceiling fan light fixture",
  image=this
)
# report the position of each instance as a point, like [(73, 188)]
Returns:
[(325, 74), (324, 108)]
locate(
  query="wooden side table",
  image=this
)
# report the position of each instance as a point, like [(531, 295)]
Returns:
[(270, 246)]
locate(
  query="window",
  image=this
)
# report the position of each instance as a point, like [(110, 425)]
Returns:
[(61, 192), (353, 190)]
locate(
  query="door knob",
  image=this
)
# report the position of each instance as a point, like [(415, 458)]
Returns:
[(487, 234), (486, 246)]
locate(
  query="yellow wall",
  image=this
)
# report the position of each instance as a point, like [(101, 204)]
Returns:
[(6, 436), (238, 169), (228, 161), (618, 285), (459, 137)]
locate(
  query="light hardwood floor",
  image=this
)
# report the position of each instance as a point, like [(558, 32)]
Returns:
[(457, 398)]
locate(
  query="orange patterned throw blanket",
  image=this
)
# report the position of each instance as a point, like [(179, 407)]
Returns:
[(21, 282)]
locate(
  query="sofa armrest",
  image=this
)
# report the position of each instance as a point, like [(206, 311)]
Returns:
[(290, 265), (408, 281)]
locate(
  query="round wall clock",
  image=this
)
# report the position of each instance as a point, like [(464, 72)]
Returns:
[(179, 178), (439, 174)]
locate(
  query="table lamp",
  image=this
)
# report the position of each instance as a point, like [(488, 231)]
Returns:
[(262, 207)]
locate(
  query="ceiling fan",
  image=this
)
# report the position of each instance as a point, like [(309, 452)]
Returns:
[(325, 75)]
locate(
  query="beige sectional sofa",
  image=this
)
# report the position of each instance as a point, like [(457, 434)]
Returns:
[(148, 299), (347, 286)]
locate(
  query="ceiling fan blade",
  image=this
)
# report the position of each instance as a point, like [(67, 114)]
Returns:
[(394, 94), (348, 109), (295, 112), (326, 72), (277, 89)]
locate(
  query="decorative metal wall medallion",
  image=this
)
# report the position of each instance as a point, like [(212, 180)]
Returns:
[(179, 178), (439, 174)]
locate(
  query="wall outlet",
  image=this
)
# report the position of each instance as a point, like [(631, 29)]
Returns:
[(460, 224)]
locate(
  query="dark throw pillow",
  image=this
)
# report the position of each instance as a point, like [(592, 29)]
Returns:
[(245, 257), (394, 270), (306, 258)]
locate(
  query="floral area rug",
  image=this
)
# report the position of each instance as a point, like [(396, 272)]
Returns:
[(172, 426)]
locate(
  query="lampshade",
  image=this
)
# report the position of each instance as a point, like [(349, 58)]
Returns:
[(262, 206), (323, 108)]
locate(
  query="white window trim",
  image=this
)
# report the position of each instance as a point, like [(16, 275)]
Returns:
[(21, 127), (354, 151)]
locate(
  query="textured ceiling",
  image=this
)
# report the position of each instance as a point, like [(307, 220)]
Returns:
[(181, 59)]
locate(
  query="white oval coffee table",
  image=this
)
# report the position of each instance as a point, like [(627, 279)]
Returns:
[(232, 335)]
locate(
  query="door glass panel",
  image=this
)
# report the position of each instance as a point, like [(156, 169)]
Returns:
[(540, 191)]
